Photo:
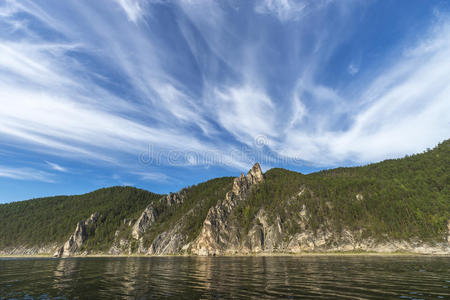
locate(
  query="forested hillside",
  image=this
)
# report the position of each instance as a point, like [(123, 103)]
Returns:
[(400, 199), (403, 199), (53, 219)]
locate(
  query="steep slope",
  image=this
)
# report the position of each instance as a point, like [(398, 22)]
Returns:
[(220, 233), (170, 224), (394, 205), (41, 225)]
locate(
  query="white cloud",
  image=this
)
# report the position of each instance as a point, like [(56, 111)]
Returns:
[(152, 176), (25, 174), (132, 8), (289, 10), (402, 110), (56, 167), (352, 69), (49, 103), (283, 9), (7, 8), (246, 112), (81, 130), (52, 104)]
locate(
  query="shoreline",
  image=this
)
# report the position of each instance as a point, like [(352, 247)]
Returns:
[(304, 254)]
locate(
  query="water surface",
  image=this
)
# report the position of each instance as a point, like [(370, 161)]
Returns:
[(327, 277)]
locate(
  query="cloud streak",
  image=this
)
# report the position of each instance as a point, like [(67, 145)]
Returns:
[(99, 84), (132, 8), (56, 167), (28, 174)]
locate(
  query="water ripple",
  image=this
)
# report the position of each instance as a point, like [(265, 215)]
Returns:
[(320, 277)]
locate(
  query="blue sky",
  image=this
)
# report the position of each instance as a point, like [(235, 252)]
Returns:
[(165, 94)]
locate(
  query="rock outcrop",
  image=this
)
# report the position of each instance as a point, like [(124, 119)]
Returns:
[(29, 250), (448, 232), (218, 235), (168, 242), (77, 239), (147, 218), (150, 214), (174, 198), (263, 236), (221, 232), (120, 245)]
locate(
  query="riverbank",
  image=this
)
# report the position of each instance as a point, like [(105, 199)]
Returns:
[(349, 253)]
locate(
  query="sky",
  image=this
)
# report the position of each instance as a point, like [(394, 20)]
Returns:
[(165, 94)]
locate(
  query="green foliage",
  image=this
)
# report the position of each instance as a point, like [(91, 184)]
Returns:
[(48, 220), (401, 198), (191, 214)]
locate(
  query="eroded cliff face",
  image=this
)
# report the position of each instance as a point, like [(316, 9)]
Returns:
[(29, 251), (147, 218), (167, 242), (151, 214), (75, 242), (448, 230), (219, 234)]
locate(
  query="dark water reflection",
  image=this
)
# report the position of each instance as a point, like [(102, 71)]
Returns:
[(359, 277)]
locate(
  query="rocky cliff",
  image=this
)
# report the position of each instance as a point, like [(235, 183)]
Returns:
[(219, 233), (222, 234), (395, 205), (74, 245)]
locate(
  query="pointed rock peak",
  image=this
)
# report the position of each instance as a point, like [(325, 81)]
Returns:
[(256, 167), (255, 174)]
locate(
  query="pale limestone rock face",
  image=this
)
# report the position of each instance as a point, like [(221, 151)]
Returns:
[(448, 232), (147, 218), (303, 211), (255, 175), (120, 245), (168, 242), (220, 233), (171, 241), (175, 198), (92, 219), (77, 239), (255, 240), (272, 234), (30, 250), (217, 235)]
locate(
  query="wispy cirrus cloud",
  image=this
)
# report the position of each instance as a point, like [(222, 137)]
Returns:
[(132, 8), (51, 103), (152, 176), (353, 69), (28, 174), (56, 167), (286, 10), (99, 84), (283, 9), (402, 110), (246, 112)]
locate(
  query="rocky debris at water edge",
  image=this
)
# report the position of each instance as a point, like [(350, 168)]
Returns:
[(76, 240)]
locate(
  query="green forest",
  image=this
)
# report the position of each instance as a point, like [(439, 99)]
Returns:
[(48, 220), (398, 199)]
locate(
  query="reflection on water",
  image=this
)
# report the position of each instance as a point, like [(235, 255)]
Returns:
[(360, 277)]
